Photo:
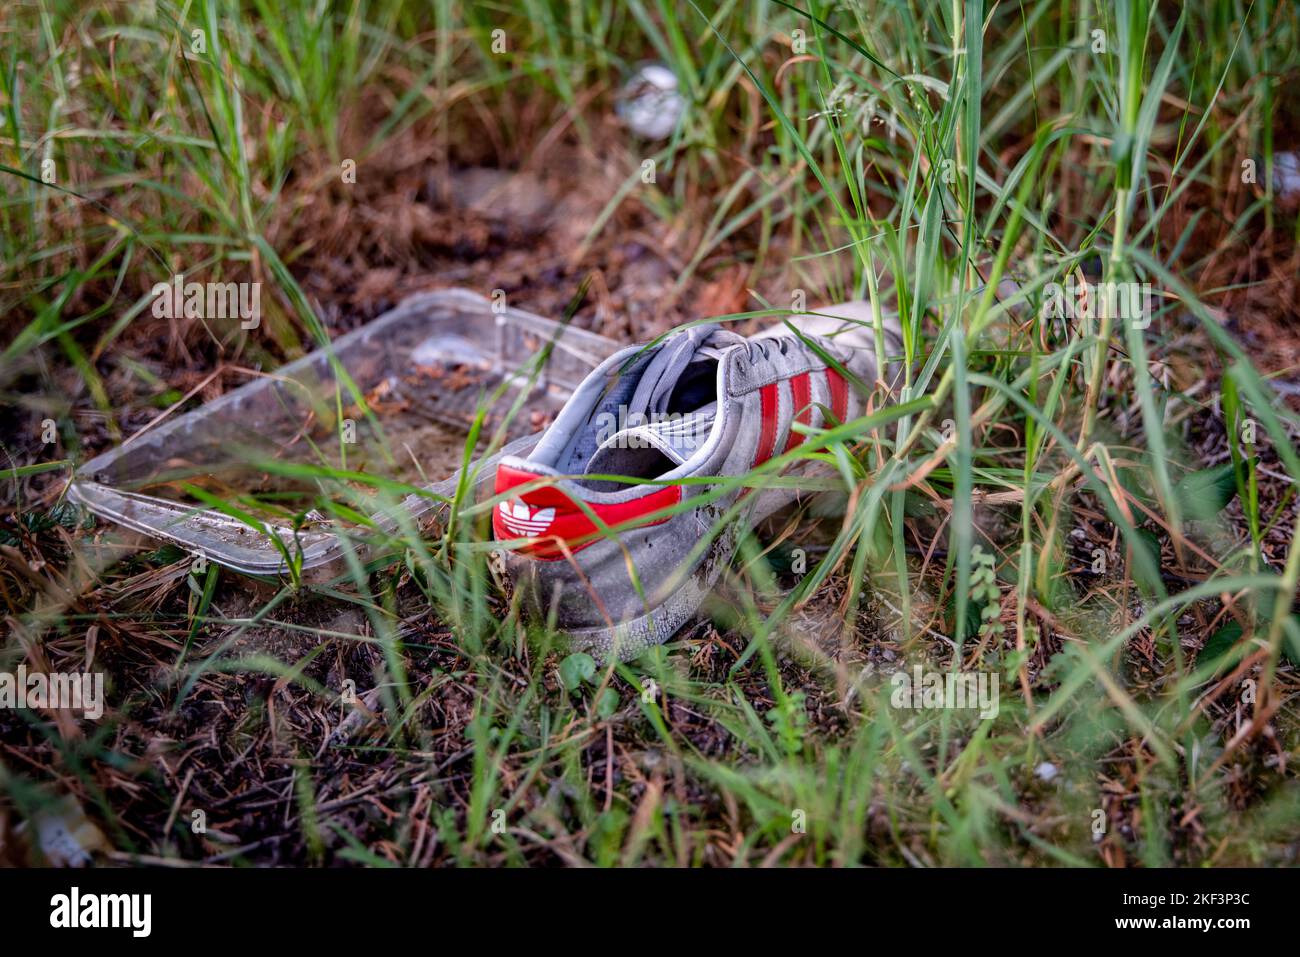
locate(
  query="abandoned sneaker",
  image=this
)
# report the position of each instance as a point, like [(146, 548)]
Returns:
[(704, 403)]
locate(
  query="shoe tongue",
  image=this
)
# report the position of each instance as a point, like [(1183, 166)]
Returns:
[(662, 373), (677, 436)]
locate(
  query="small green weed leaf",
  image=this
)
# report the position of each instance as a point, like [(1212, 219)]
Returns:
[(1220, 643), (576, 669), (606, 703), (1204, 494)]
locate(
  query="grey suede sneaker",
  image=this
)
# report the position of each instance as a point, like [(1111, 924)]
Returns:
[(704, 403)]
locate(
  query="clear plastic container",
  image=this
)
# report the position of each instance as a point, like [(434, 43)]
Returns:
[(394, 399)]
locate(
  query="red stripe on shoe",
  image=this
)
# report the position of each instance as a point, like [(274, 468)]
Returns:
[(550, 516), (770, 401), (801, 389), (839, 390)]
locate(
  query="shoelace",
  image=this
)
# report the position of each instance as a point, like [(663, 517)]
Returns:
[(762, 344), (662, 373)]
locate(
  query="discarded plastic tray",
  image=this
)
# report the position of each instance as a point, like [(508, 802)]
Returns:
[(425, 370)]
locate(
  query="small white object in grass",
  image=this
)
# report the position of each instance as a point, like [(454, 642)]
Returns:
[(649, 103), (1286, 175), (1045, 771)]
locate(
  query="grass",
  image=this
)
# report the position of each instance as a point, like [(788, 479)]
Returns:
[(1139, 607)]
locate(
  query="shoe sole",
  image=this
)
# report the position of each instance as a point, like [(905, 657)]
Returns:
[(628, 639)]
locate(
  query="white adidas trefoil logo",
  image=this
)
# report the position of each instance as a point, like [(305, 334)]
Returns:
[(523, 521)]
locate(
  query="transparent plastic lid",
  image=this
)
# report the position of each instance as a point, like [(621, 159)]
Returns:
[(392, 402)]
